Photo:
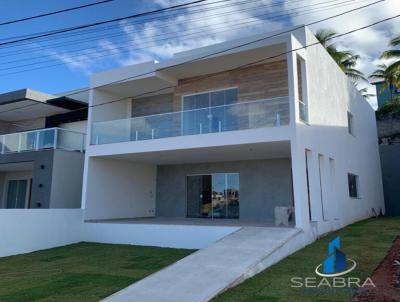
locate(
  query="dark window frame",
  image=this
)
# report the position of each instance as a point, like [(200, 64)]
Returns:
[(353, 184), (350, 123)]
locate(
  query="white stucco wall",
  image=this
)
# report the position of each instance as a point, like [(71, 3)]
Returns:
[(176, 236), (119, 189), (26, 125), (79, 126), (29, 230), (67, 178), (330, 96), (25, 231)]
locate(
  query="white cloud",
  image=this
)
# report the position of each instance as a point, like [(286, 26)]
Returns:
[(203, 25), (159, 39), (368, 43)]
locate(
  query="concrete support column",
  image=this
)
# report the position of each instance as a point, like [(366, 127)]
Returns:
[(300, 193)]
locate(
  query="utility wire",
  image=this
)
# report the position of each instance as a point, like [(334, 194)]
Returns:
[(172, 13), (187, 33), (222, 51), (51, 33), (54, 13), (251, 63), (142, 23)]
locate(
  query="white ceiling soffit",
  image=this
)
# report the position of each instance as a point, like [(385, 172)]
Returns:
[(270, 150), (140, 87)]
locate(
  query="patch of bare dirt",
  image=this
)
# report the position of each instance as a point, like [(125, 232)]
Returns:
[(386, 278)]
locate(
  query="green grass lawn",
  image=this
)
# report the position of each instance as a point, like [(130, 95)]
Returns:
[(79, 272), (367, 242)]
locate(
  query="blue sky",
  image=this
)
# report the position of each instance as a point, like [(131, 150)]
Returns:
[(59, 78), (76, 57)]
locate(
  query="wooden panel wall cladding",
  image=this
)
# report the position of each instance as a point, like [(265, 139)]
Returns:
[(258, 82)]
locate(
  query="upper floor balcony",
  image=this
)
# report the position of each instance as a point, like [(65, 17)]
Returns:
[(232, 116), (222, 92), (41, 139)]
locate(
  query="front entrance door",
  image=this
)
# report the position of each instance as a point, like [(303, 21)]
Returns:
[(213, 195), (17, 193)]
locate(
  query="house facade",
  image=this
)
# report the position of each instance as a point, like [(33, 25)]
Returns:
[(386, 93), (264, 131), (42, 140)]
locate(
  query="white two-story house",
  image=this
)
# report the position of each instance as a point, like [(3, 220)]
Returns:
[(242, 133)]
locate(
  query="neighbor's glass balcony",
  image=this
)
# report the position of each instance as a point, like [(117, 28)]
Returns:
[(49, 138), (238, 116)]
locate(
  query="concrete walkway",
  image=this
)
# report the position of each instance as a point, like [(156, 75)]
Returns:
[(208, 272)]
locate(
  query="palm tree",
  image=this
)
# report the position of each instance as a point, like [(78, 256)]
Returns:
[(347, 60), (324, 37), (388, 76), (393, 54)]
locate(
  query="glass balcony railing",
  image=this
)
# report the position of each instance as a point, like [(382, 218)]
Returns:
[(303, 111), (50, 138), (239, 116)]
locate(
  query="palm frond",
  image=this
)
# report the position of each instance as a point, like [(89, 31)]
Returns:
[(395, 41), (346, 59), (392, 53), (355, 75), (324, 36), (394, 69)]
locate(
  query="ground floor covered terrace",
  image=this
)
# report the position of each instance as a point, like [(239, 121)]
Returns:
[(248, 184)]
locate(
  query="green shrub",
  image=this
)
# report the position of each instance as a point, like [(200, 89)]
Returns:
[(390, 108)]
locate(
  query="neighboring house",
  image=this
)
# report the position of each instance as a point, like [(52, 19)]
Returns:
[(193, 138), (389, 146), (386, 94), (42, 140)]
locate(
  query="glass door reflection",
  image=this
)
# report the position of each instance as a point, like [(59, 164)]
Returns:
[(213, 196), (199, 196), (232, 195), (219, 204)]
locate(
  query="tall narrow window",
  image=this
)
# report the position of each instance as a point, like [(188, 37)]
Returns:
[(301, 90), (353, 185), (308, 155), (321, 185), (350, 123), (333, 202)]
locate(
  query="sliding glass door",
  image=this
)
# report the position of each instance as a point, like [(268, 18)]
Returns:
[(209, 112), (213, 195), (17, 194)]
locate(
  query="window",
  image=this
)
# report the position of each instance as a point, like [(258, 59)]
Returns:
[(210, 99), (308, 157), (208, 112), (353, 185), (350, 123), (301, 90), (321, 172)]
